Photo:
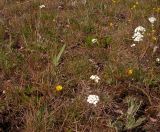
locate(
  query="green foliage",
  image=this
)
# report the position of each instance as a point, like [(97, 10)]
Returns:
[(138, 75), (46, 16), (28, 90), (6, 62), (40, 113), (89, 42), (133, 107), (27, 31), (128, 120), (57, 57), (133, 123), (79, 67), (88, 29), (107, 41)]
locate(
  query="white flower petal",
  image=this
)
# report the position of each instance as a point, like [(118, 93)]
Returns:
[(157, 59), (133, 45), (95, 78), (94, 40), (152, 19)]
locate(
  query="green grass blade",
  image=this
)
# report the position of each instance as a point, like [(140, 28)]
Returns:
[(57, 58)]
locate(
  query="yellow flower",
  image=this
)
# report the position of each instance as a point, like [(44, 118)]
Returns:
[(130, 72), (59, 88)]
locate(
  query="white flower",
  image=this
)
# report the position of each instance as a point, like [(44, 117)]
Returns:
[(137, 37), (138, 34), (140, 29), (42, 6), (93, 99), (155, 49), (95, 78), (94, 40), (133, 45), (158, 60), (152, 19), (4, 92)]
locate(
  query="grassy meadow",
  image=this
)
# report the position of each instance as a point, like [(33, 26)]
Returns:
[(55, 53)]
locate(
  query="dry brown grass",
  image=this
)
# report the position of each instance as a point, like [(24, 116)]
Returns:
[(29, 39)]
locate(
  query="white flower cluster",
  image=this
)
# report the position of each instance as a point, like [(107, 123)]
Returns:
[(152, 19), (42, 6), (95, 78), (93, 99), (138, 34)]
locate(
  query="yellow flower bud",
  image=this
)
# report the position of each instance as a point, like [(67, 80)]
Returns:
[(130, 72)]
